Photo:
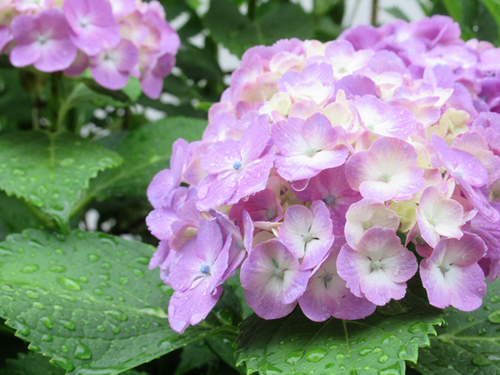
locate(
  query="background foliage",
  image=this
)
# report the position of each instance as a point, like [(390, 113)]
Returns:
[(75, 162)]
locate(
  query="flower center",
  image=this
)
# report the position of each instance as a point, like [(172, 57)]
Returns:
[(384, 176), (310, 151), (237, 165), (330, 200), (307, 237), (433, 221), (367, 225), (376, 264), (204, 269), (84, 22), (271, 213), (42, 39), (279, 273), (445, 268)]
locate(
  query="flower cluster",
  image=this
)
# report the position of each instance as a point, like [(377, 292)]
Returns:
[(319, 158), (115, 39)]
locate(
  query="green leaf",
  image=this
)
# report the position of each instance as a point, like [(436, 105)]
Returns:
[(397, 13), (82, 96), (379, 343), (51, 170), (454, 8), (468, 342), (15, 215), (35, 364), (133, 89), (494, 8), (88, 300), (238, 33), (195, 356), (30, 364), (146, 151)]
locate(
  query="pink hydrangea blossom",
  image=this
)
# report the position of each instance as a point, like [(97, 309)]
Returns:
[(307, 233), (42, 40), (452, 276), (273, 280), (379, 268), (376, 175)]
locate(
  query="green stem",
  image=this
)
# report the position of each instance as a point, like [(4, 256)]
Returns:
[(252, 8), (41, 217), (374, 12), (55, 123)]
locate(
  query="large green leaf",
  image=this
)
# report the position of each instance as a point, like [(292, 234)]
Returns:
[(238, 33), (494, 8), (146, 151), (468, 343), (379, 344), (51, 170), (88, 300), (35, 364)]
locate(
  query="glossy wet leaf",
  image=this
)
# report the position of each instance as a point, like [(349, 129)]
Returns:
[(469, 342), (88, 300), (51, 170), (36, 364), (379, 344), (238, 33), (145, 151)]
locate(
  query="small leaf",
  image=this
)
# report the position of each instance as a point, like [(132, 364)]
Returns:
[(51, 170), (377, 343), (397, 13), (146, 151), (133, 89), (82, 96), (88, 300), (195, 356), (494, 8), (468, 342), (238, 33), (30, 364), (35, 364), (454, 8)]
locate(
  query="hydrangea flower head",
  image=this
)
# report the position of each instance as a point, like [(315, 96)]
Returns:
[(324, 163)]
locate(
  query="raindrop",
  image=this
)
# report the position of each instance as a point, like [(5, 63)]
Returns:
[(82, 351), (94, 257), (383, 358), (138, 272), (47, 321), (123, 280), (495, 298), (29, 268), (106, 265), (47, 338), (34, 348), (32, 294), (63, 362), (315, 355), (58, 307), (154, 311), (8, 287), (142, 260), (39, 305), (68, 324), (69, 284), (119, 315), (494, 317), (365, 351), (67, 162), (101, 328), (57, 269), (481, 331), (98, 292), (470, 318), (21, 328), (402, 354), (480, 360)]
